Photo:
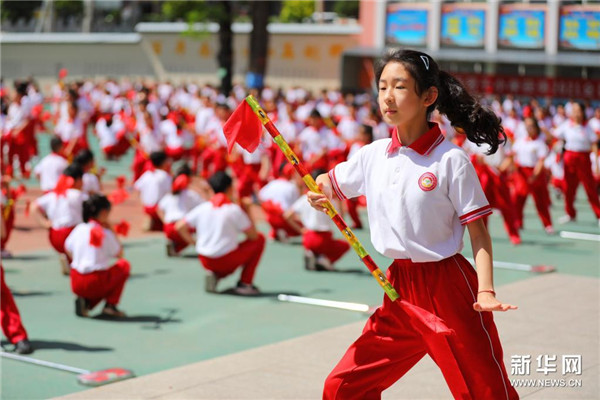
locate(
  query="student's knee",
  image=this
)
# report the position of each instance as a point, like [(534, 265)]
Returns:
[(124, 267)]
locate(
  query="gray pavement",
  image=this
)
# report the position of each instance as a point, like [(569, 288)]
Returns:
[(558, 315)]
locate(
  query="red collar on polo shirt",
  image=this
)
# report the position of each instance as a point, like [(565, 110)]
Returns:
[(96, 234), (423, 145), (219, 199)]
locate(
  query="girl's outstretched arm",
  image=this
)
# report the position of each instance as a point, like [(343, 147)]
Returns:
[(482, 253)]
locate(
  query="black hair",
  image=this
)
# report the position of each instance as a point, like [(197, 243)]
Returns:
[(184, 169), (158, 158), (74, 171), (368, 129), (315, 113), (83, 157), (56, 144), (317, 172), (480, 124), (94, 205), (21, 88), (220, 182)]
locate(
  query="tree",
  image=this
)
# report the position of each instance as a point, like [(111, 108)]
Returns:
[(259, 44), (296, 10), (220, 12), (347, 8), (16, 10)]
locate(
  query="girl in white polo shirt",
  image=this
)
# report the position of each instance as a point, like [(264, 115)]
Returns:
[(50, 168), (61, 210), (218, 224), (579, 140), (421, 192), (529, 154), (92, 246), (153, 185)]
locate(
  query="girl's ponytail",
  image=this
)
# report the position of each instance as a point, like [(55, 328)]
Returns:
[(480, 124)]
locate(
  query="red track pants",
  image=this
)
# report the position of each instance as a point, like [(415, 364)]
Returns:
[(247, 255), (578, 167), (9, 223), (156, 224), (9, 314), (274, 216), (324, 243), (389, 345), (174, 236), (538, 190), (58, 238), (100, 285)]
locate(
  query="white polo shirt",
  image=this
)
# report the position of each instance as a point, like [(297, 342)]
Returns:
[(348, 128), (63, 211), (311, 219), (88, 258), (312, 142), (528, 152), (153, 185), (577, 137), (175, 206), (91, 183), (49, 169), (217, 228), (419, 198), (280, 191)]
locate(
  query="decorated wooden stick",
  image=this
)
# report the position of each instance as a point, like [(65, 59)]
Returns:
[(331, 211)]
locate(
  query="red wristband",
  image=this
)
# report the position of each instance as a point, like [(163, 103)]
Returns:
[(487, 291)]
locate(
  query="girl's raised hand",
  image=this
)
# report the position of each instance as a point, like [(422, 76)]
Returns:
[(318, 200), (488, 302)]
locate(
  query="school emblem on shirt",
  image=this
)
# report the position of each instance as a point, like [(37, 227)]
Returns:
[(427, 181)]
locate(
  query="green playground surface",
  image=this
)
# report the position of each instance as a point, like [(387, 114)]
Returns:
[(172, 322)]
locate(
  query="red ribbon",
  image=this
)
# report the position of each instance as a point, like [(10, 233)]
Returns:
[(96, 234), (180, 183), (64, 183), (219, 199)]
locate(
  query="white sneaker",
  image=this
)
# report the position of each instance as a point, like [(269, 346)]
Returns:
[(210, 283), (565, 219), (281, 236), (310, 261), (549, 230), (324, 263), (243, 289)]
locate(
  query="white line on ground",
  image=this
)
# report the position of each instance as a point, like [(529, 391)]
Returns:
[(581, 236)]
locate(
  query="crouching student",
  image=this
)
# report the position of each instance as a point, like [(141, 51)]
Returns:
[(61, 210), (92, 246), (218, 223), (173, 207), (321, 250), (153, 185)]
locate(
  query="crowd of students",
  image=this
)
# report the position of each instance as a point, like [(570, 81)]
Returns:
[(550, 149)]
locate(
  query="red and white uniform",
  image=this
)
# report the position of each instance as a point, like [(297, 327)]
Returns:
[(153, 185), (419, 199), (49, 169), (318, 236), (95, 275), (174, 208), (64, 212), (276, 197), (69, 130), (91, 183), (527, 154), (16, 136), (578, 145), (112, 138), (218, 224)]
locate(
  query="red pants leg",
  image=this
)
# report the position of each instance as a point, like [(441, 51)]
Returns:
[(389, 345), (156, 224), (101, 285), (247, 254), (585, 175), (541, 198), (58, 238), (8, 224), (274, 216), (504, 203), (571, 182), (9, 314), (174, 236), (324, 243)]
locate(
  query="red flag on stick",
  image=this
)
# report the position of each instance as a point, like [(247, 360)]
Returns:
[(243, 127)]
